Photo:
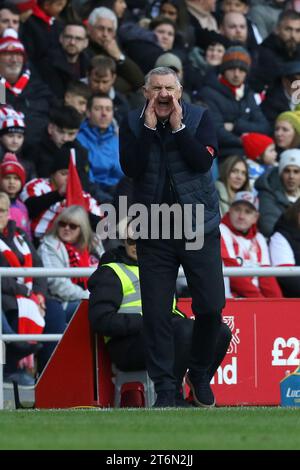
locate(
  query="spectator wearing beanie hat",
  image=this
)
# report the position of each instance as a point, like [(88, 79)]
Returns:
[(287, 129), (232, 102), (236, 57), (12, 128), (10, 165), (261, 154), (9, 42), (278, 189), (45, 198), (243, 246), (25, 91), (289, 157), (12, 180)]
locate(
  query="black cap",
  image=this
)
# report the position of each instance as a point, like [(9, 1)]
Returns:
[(289, 69)]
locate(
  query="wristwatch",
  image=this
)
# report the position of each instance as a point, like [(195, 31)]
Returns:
[(121, 59)]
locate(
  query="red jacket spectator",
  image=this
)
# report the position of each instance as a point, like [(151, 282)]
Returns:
[(243, 245)]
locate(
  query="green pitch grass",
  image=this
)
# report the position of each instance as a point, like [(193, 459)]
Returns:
[(190, 429)]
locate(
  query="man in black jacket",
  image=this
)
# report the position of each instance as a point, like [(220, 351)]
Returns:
[(236, 29), (282, 96), (67, 61), (126, 343), (168, 149), (232, 103), (61, 132), (280, 47), (25, 91), (63, 127)]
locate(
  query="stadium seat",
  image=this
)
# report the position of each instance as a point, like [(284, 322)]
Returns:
[(133, 389)]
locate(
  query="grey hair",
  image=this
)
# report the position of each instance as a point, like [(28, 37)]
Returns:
[(77, 215), (161, 71), (102, 12)]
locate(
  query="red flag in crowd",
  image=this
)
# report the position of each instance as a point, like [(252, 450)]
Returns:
[(74, 188)]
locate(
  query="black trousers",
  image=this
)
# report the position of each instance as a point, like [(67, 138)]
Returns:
[(128, 353), (159, 261)]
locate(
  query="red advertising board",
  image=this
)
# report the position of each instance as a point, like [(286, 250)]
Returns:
[(264, 347)]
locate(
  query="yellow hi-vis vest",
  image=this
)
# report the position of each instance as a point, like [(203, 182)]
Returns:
[(130, 280)]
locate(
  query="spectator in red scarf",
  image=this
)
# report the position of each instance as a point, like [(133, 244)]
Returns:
[(232, 103), (12, 180), (25, 91), (70, 243), (41, 31), (242, 245), (23, 299)]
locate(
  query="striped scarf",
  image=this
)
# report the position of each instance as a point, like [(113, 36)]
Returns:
[(78, 259), (30, 320), (20, 85), (237, 91), (42, 15), (13, 260)]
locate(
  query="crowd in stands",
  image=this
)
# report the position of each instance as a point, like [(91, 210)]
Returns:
[(70, 70)]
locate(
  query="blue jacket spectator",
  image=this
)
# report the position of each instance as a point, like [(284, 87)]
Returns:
[(99, 136)]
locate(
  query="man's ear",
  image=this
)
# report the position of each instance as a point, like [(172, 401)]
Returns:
[(89, 29), (50, 128), (86, 42), (180, 93), (145, 93)]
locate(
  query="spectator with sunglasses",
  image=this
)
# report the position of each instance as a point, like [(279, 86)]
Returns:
[(69, 243)]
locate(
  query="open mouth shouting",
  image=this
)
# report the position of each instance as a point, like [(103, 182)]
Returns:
[(163, 106)]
